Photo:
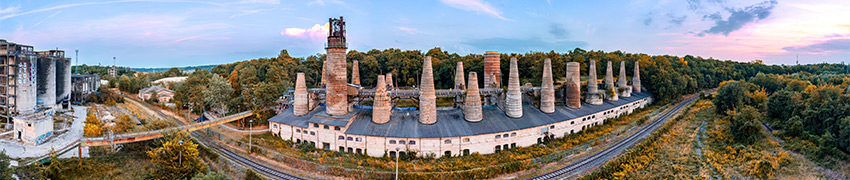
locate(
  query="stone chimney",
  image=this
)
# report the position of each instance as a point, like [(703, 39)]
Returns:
[(493, 84), (337, 87), (513, 98), (636, 79), (325, 72), (472, 111), (355, 73), (390, 85), (492, 66), (592, 95), (301, 104), (547, 88), (610, 90), (573, 84), (427, 95), (381, 107), (625, 89), (459, 81)]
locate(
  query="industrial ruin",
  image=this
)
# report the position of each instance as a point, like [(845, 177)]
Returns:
[(34, 84), (482, 120)]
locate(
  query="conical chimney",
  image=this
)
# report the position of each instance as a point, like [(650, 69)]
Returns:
[(355, 73), (513, 98), (573, 83), (636, 79), (609, 83), (300, 106), (472, 105), (381, 108), (626, 90), (427, 96), (390, 85), (459, 81), (547, 89), (592, 95)]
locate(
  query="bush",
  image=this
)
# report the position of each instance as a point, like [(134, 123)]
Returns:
[(745, 125), (251, 175)]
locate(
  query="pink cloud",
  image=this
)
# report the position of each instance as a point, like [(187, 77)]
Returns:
[(476, 6), (314, 33)]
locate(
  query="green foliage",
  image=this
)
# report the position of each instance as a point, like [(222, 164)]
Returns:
[(99, 70), (251, 175), (175, 160), (745, 125), (782, 104), (214, 175), (104, 96), (5, 171), (216, 92), (763, 169), (730, 96)]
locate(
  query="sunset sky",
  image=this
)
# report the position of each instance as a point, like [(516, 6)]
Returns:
[(165, 33)]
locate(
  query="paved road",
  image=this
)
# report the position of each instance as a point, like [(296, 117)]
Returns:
[(601, 157)]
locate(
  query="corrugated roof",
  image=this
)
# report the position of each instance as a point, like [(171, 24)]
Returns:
[(450, 123)]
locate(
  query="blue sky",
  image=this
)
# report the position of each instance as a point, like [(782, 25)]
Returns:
[(166, 33)]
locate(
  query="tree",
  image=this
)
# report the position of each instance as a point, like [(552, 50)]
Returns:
[(782, 104), (173, 72), (93, 127), (218, 91), (730, 96), (214, 175), (174, 160), (124, 124), (251, 175), (5, 171), (745, 125)]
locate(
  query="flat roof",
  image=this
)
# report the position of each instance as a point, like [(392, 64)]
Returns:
[(451, 123)]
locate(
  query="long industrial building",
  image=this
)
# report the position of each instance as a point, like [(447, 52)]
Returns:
[(33, 84), (484, 120)]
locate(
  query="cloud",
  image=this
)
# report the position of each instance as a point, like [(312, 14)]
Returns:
[(322, 2), (738, 18), (259, 2), (48, 17), (9, 10), (314, 33), (245, 13), (676, 21), (523, 45), (409, 30), (647, 21), (558, 30), (825, 47), (476, 6)]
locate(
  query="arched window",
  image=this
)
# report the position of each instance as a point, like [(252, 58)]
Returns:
[(513, 134), (498, 148), (341, 138), (447, 141), (448, 154), (412, 142), (465, 139), (392, 153), (498, 136), (402, 142), (392, 141), (350, 138)]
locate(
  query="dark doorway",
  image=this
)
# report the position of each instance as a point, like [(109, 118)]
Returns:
[(326, 146)]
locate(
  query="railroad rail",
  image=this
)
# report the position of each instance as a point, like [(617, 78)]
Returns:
[(153, 134), (267, 171), (601, 157)]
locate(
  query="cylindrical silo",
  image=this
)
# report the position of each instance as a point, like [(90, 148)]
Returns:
[(63, 79), (46, 81)]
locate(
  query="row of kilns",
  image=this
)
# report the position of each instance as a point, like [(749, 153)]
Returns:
[(472, 108)]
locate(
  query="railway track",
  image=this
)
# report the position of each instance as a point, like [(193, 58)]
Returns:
[(601, 157), (267, 171)]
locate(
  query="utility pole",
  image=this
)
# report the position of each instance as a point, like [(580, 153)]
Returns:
[(250, 123)]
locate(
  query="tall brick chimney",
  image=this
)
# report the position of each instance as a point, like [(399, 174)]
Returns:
[(337, 87), (609, 84), (592, 95), (636, 79), (301, 104), (547, 88), (325, 72), (573, 85), (381, 108), (472, 105), (513, 98), (459, 81), (621, 81), (390, 85), (492, 66), (355, 73), (427, 95)]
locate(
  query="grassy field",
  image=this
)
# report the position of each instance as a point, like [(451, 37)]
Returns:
[(697, 145)]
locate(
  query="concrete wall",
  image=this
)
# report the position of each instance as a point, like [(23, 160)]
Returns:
[(482, 144), (33, 131), (46, 85)]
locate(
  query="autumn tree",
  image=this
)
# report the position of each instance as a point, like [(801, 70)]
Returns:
[(176, 158), (93, 127)]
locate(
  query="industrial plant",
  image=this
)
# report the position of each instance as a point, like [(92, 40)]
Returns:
[(482, 119), (34, 85)]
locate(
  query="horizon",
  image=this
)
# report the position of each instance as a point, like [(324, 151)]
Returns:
[(174, 33)]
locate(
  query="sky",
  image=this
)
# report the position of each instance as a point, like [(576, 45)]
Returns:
[(168, 33)]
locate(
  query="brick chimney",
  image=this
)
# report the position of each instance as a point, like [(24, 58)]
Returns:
[(573, 85), (547, 88), (355, 73), (636, 79), (381, 107), (427, 95), (592, 95), (301, 104), (459, 81), (513, 98), (472, 105)]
